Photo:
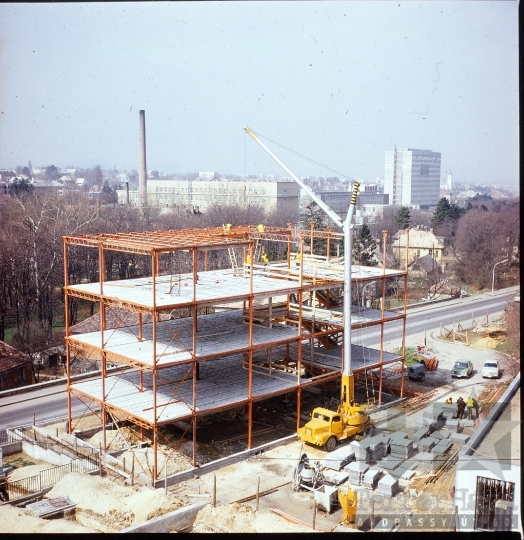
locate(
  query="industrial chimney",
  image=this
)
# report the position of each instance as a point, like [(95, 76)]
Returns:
[(142, 169)]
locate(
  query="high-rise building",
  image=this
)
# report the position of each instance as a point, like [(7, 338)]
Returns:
[(412, 178)]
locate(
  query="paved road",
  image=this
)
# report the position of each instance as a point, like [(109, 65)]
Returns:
[(51, 403)]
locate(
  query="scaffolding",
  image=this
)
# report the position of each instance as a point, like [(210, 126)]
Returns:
[(193, 343)]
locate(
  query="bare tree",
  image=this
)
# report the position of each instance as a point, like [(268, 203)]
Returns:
[(482, 241)]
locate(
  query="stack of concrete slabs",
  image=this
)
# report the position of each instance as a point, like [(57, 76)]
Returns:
[(338, 459)]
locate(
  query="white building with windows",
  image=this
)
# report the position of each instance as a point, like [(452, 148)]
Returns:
[(412, 178), (281, 196)]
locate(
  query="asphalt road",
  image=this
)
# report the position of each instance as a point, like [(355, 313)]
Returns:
[(47, 404)]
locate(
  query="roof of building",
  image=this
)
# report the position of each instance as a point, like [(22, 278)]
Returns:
[(427, 263), (11, 358), (419, 238)]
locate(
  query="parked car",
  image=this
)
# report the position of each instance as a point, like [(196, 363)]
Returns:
[(491, 369), (462, 369), (417, 372)]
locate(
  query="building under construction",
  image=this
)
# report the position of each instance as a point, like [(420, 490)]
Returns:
[(192, 340)]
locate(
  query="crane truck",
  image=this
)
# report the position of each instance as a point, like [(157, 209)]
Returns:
[(327, 427)]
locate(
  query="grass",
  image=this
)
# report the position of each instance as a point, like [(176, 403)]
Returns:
[(17, 462)]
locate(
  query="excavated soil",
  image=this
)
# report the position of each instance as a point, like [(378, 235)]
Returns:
[(242, 518)]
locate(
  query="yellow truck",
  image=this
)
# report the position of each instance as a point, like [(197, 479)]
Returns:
[(327, 427)]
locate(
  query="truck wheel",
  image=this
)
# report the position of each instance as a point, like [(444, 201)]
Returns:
[(370, 429), (331, 443)]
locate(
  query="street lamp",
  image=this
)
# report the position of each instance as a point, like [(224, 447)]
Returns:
[(364, 290), (493, 278)]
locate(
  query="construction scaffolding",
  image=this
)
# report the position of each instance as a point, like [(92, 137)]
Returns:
[(193, 343)]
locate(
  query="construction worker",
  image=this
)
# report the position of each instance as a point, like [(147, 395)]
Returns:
[(227, 227), (461, 405), (449, 400), (297, 259), (265, 258), (469, 405), (260, 228), (476, 407), (248, 259)]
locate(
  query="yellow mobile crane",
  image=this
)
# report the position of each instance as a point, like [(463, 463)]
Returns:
[(327, 427)]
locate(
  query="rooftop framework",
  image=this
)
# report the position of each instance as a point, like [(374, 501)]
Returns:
[(211, 339)]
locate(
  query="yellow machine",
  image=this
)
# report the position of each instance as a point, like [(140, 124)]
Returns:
[(348, 502), (327, 427)]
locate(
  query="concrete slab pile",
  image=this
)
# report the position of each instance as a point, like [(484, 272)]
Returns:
[(402, 448), (371, 478), (388, 486), (453, 425), (442, 447), (338, 459), (460, 438), (359, 448), (356, 472), (427, 443)]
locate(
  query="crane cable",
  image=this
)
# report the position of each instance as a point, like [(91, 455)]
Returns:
[(304, 157)]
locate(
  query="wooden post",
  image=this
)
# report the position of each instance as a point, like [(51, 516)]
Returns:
[(314, 513), (165, 476), (100, 458), (214, 490), (133, 469), (258, 490), (124, 460)]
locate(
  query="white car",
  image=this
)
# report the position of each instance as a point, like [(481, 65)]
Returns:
[(491, 370)]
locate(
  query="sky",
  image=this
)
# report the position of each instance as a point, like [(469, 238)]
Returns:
[(329, 86)]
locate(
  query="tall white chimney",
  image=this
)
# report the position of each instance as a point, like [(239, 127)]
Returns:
[(142, 169)]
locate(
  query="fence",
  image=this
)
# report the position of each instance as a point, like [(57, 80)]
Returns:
[(48, 478)]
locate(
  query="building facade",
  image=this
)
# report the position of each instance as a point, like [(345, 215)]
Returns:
[(279, 196), (412, 178)]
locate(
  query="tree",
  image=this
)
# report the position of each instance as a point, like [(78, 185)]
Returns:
[(481, 241), (445, 221), (402, 218), (20, 187), (446, 212), (108, 195), (51, 173), (364, 246)]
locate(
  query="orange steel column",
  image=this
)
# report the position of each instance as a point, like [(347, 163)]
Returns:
[(382, 308), (250, 355), (312, 226), (68, 353), (102, 272), (299, 348), (289, 228), (328, 250), (405, 314), (195, 367), (299, 397), (154, 263)]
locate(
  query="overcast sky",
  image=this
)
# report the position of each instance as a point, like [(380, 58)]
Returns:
[(337, 82)]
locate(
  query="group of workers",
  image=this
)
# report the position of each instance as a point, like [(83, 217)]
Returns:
[(466, 407)]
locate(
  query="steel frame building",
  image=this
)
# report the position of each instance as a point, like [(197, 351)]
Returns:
[(254, 330)]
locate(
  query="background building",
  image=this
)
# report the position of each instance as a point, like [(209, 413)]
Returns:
[(412, 178), (273, 195)]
